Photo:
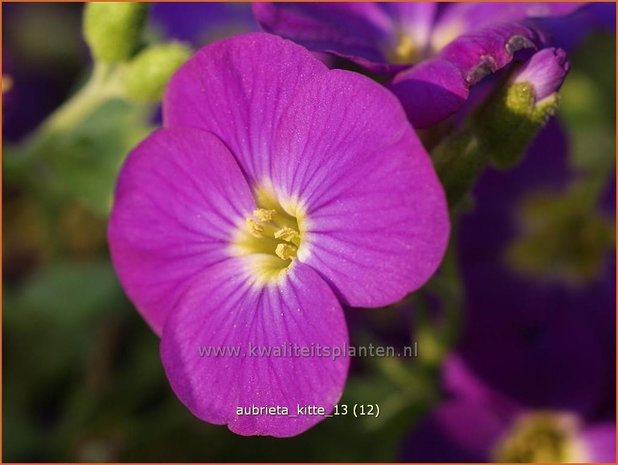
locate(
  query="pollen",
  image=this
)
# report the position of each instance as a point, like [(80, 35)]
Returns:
[(255, 228), (285, 251), (263, 214), (288, 234)]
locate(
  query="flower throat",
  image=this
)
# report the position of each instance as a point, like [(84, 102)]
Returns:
[(275, 229), (272, 236)]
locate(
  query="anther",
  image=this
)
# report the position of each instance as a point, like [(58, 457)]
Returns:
[(285, 251), (256, 229), (264, 215), (288, 234)]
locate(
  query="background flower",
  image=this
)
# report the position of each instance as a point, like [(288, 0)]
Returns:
[(504, 431), (545, 309), (539, 316), (444, 49)]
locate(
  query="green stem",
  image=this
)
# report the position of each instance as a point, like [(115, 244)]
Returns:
[(459, 160), (103, 85)]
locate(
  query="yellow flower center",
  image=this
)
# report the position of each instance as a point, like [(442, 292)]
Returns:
[(405, 50), (271, 238), (561, 237), (541, 437)]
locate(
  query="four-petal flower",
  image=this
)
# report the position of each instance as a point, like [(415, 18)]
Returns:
[(276, 192)]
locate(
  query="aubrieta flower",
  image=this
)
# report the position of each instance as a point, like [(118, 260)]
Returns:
[(438, 52), (479, 424), (276, 192)]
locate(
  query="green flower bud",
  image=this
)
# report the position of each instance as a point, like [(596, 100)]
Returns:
[(501, 129), (510, 122), (112, 29), (149, 72), (511, 119)]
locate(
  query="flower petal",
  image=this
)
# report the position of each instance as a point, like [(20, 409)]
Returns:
[(438, 87), (377, 222), (237, 88), (225, 311), (178, 198), (569, 32), (545, 71), (351, 30), (413, 18), (461, 18), (600, 442), (481, 53), (458, 431), (430, 91)]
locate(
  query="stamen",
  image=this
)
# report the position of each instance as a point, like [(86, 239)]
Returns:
[(264, 215), (271, 237), (256, 229), (286, 251), (406, 51), (288, 234)]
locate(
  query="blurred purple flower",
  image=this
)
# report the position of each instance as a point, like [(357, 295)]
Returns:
[(538, 269), (200, 23), (478, 424), (568, 32), (273, 193), (537, 355), (452, 47)]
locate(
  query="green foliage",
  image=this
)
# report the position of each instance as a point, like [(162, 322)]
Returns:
[(507, 124), (148, 73), (112, 29), (588, 107), (54, 317), (85, 162), (499, 131)]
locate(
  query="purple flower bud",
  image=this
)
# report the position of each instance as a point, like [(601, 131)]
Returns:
[(545, 71)]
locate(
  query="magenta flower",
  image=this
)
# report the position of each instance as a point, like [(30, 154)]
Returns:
[(277, 192), (438, 52)]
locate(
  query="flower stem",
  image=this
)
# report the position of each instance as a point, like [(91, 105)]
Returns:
[(103, 85), (459, 160)]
